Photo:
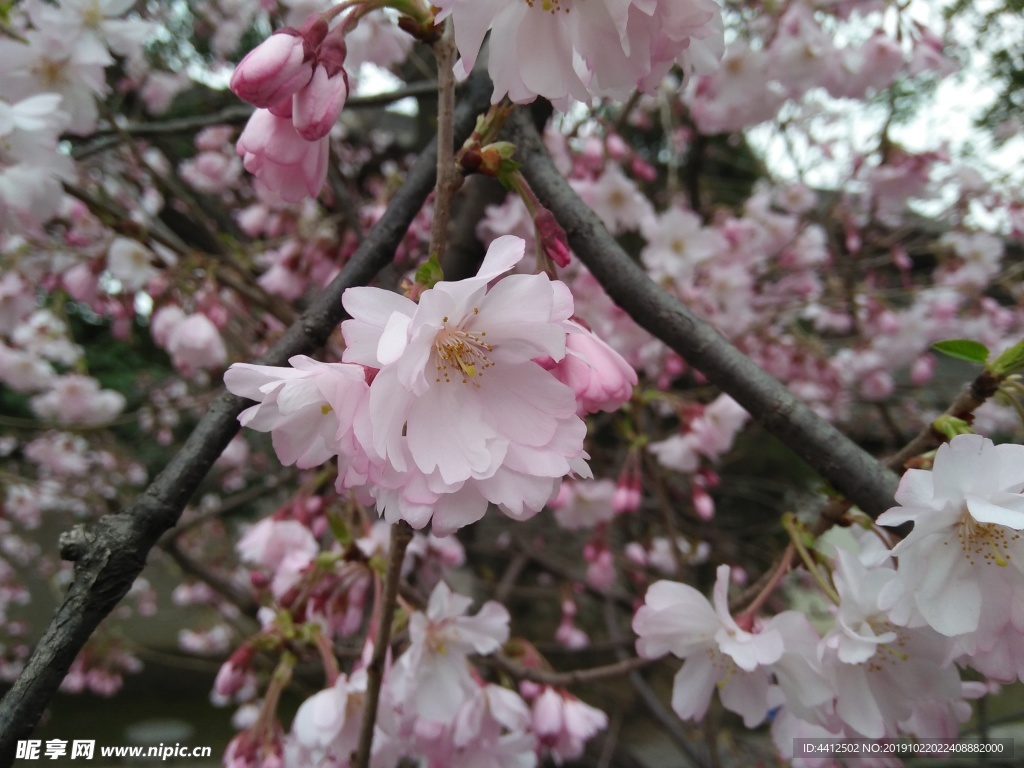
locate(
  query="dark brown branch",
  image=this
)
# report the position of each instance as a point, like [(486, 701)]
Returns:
[(849, 469), (111, 552)]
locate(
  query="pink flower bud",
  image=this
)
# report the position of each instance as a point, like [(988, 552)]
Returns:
[(273, 71), (281, 158), (552, 237), (922, 370), (315, 108), (332, 52), (703, 504)]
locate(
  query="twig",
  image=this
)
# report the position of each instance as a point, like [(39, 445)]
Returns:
[(839, 460), (111, 552), (108, 138), (448, 176), (224, 588), (564, 679), (963, 407), (401, 535)]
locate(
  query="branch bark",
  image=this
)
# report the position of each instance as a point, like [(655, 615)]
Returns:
[(850, 469), (111, 552)]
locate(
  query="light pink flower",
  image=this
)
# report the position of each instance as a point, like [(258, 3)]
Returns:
[(195, 344), (676, 618), (309, 409), (268, 542), (131, 263), (584, 504), (77, 399), (432, 677), (316, 106), (883, 674), (565, 50), (564, 724), (460, 414)]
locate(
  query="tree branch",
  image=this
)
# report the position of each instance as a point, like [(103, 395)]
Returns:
[(850, 469), (111, 552)]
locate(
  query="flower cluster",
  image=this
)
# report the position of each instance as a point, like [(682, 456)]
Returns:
[(904, 619), (442, 407), (297, 79)]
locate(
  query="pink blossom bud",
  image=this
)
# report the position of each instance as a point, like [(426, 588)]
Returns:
[(552, 237), (703, 504), (232, 674), (315, 108), (635, 553), (332, 52), (601, 570), (273, 71), (922, 370), (280, 158)]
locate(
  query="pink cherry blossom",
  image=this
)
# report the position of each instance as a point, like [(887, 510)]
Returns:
[(195, 344), (565, 52), (459, 413), (77, 399), (309, 408), (432, 677), (676, 618), (316, 106), (564, 724)]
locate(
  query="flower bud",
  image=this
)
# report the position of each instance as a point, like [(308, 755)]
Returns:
[(315, 108), (552, 237), (272, 71)]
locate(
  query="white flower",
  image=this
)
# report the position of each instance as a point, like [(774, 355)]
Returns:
[(968, 512), (433, 675)]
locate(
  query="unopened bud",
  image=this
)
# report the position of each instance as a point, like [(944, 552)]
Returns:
[(551, 236)]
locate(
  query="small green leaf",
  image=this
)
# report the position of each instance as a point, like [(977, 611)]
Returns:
[(951, 426), (963, 349), (429, 272), (1009, 362)]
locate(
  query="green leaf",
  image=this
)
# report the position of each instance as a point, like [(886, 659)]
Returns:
[(963, 349), (429, 272), (1009, 362)]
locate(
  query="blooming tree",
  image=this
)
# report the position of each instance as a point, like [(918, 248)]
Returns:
[(620, 352)]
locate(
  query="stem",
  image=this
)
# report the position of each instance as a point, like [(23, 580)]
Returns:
[(790, 524), (573, 677), (401, 535), (448, 177), (963, 407), (773, 582)]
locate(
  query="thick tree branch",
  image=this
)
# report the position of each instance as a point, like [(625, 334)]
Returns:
[(851, 470), (111, 552)]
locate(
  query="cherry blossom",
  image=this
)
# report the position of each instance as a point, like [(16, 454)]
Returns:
[(309, 408), (968, 512), (554, 50), (432, 677), (459, 413)]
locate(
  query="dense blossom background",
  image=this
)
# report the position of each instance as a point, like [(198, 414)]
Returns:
[(833, 186)]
